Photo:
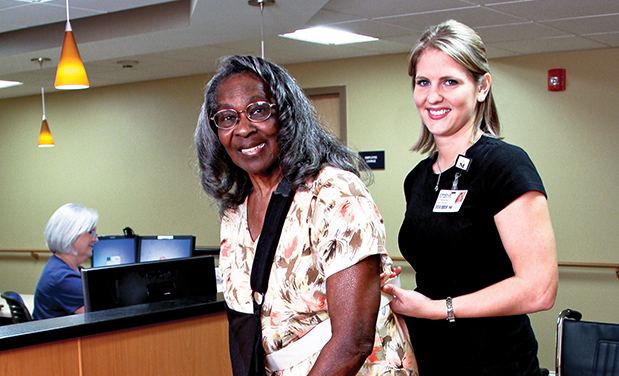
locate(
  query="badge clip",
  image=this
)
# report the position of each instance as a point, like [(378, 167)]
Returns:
[(463, 162)]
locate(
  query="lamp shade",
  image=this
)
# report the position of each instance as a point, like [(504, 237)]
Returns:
[(45, 137), (71, 74)]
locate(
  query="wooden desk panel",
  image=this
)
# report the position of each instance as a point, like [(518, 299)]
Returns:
[(197, 346), (54, 359)]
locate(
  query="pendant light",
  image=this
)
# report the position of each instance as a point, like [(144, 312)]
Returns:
[(45, 136), (261, 4), (71, 74)]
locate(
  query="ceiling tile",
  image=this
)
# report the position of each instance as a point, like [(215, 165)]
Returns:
[(540, 10), (522, 31), (373, 9), (376, 29), (546, 45), (325, 17), (473, 16), (587, 25), (610, 39)]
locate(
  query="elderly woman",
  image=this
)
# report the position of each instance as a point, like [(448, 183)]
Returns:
[(256, 128), (70, 234), (477, 229)]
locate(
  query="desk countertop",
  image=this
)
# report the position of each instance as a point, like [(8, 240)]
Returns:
[(73, 326)]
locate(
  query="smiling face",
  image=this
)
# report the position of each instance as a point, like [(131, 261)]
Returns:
[(252, 146), (446, 94), (83, 245)]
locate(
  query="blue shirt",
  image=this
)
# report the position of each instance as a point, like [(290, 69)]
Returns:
[(59, 291)]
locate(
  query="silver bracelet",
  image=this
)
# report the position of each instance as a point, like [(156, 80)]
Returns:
[(450, 310)]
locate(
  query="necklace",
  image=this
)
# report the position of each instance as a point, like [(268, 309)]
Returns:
[(439, 175), (440, 171), (454, 185)]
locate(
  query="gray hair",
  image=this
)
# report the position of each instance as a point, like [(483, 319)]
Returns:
[(66, 224), (463, 45), (305, 147)]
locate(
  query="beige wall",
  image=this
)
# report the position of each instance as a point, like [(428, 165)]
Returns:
[(127, 151)]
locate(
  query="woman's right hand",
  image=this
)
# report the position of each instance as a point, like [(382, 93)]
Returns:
[(413, 304)]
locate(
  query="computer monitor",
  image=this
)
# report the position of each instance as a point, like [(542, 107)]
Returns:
[(165, 247), (117, 286), (114, 250)]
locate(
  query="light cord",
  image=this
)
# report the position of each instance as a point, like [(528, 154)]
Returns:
[(261, 26), (43, 101), (42, 89)]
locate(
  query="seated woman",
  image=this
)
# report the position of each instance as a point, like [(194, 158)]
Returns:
[(70, 234)]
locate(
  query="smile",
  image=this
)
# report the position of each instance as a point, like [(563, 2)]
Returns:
[(439, 112), (253, 150)]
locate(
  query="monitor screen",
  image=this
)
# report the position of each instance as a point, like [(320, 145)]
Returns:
[(125, 285), (165, 247), (114, 250)]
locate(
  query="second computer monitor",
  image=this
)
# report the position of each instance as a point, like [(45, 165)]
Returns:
[(166, 247)]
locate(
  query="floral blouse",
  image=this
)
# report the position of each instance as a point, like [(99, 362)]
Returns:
[(330, 227)]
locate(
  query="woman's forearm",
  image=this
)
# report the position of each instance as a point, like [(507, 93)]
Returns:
[(353, 298)]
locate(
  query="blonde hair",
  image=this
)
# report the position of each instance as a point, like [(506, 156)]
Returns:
[(463, 45)]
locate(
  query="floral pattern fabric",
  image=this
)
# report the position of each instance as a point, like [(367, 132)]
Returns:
[(329, 227)]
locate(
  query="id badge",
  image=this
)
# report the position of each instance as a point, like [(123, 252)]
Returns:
[(449, 201)]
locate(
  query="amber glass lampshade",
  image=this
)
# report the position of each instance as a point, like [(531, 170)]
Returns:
[(45, 138), (71, 74)]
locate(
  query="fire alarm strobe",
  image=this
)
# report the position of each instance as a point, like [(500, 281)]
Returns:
[(556, 79)]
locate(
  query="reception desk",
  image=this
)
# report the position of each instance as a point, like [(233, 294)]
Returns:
[(180, 337)]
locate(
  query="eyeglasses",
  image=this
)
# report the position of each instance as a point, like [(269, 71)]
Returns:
[(255, 112), (93, 232)]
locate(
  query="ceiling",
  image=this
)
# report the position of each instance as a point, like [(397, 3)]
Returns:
[(171, 38)]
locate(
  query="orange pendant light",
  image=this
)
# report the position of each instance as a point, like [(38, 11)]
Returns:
[(71, 74), (45, 136)]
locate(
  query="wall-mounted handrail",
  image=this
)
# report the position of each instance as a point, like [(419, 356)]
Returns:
[(563, 264), (590, 265), (33, 252)]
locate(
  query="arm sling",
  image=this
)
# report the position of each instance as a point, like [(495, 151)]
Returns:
[(244, 329)]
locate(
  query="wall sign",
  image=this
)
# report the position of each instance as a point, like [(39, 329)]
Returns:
[(374, 159)]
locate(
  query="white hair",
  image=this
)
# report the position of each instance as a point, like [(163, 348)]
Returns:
[(66, 224)]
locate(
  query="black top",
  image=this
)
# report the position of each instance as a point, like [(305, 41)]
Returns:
[(458, 253)]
